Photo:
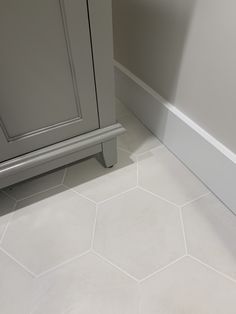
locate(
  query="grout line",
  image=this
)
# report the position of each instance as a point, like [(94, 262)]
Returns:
[(81, 195), (183, 230), (18, 262), (8, 222), (68, 261), (212, 268), (117, 195), (158, 196), (115, 266), (7, 225), (38, 193), (195, 199), (34, 306), (64, 175), (139, 299), (94, 228), (163, 268)]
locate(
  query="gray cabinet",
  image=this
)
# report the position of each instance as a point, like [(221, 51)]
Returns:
[(56, 85)]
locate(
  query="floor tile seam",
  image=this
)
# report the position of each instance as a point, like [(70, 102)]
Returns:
[(139, 281), (116, 195), (103, 201), (79, 194), (163, 268), (158, 196), (183, 230), (38, 193), (8, 223), (108, 261), (16, 261), (170, 202), (196, 259), (53, 269), (195, 199), (94, 228), (139, 299), (62, 264), (48, 271)]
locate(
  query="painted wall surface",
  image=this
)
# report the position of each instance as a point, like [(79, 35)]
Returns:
[(186, 51)]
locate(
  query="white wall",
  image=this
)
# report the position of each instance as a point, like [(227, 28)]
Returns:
[(186, 51)]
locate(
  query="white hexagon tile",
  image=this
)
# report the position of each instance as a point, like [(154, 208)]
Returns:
[(188, 287), (86, 286), (211, 233), (92, 180), (139, 232), (163, 174), (50, 228)]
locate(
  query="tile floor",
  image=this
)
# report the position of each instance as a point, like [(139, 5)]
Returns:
[(145, 237)]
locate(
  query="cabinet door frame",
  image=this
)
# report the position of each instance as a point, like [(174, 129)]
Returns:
[(83, 82), (100, 19)]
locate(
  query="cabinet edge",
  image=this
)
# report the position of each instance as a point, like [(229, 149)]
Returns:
[(60, 151)]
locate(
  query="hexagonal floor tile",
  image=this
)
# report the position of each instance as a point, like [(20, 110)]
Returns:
[(188, 287), (35, 185), (137, 138), (92, 180), (139, 232), (16, 287), (86, 286), (211, 232), (50, 228), (163, 174), (6, 205)]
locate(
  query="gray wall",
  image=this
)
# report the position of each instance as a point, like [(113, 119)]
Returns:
[(186, 51)]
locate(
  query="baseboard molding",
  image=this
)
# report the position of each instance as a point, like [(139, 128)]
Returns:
[(209, 159)]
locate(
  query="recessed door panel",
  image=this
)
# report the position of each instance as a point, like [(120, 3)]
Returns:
[(47, 90)]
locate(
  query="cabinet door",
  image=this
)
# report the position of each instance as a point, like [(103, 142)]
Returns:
[(47, 89)]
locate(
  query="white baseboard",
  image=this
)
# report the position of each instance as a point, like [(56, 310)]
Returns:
[(209, 159)]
